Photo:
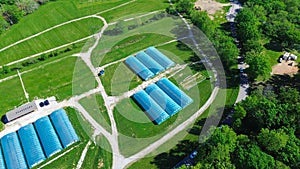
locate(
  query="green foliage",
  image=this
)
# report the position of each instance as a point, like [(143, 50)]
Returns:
[(272, 140), (259, 65)]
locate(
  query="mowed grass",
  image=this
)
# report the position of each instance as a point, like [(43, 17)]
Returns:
[(119, 79), (54, 38), (54, 79), (54, 13), (133, 9), (94, 104), (99, 155)]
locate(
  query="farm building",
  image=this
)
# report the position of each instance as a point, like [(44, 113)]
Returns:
[(152, 109), (63, 127), (151, 64), (48, 137), (162, 99), (31, 145), (174, 92), (160, 58), (138, 68), (12, 151)]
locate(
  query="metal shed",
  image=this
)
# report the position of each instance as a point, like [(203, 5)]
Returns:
[(138, 68), (174, 92), (12, 151), (162, 99), (63, 127), (152, 109), (151, 64), (31, 145), (160, 58), (48, 137)]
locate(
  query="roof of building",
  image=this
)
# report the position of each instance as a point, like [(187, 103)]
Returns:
[(20, 111), (162, 99), (139, 68), (159, 57), (63, 127), (150, 63), (12, 151), (174, 92), (48, 137), (31, 145), (152, 109)]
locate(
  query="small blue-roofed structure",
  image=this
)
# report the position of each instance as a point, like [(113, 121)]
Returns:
[(174, 92), (31, 145), (138, 68), (160, 58), (2, 163), (63, 127), (152, 109), (151, 64), (162, 99), (12, 151), (48, 137)]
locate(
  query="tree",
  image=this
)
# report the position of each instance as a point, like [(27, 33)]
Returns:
[(272, 140), (184, 6), (11, 13), (258, 65), (3, 25)]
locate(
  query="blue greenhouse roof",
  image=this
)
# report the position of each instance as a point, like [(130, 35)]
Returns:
[(150, 63), (160, 58), (12, 151), (152, 109), (48, 137), (162, 99), (31, 145), (139, 68), (174, 92), (2, 163), (63, 127)]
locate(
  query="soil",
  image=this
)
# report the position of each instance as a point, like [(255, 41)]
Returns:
[(211, 6), (286, 67)]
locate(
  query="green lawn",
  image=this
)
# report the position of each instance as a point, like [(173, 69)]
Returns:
[(54, 13), (54, 38), (119, 79), (51, 80), (94, 104), (137, 8), (99, 155)]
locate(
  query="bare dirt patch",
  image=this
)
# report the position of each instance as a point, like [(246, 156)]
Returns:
[(211, 6), (286, 67)]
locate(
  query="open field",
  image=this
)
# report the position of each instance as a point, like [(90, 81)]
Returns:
[(51, 80), (98, 113), (55, 12), (114, 47), (138, 7), (54, 38), (119, 79)]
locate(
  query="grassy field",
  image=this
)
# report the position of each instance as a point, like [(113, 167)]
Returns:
[(98, 156), (54, 38), (55, 12), (115, 47), (94, 104), (119, 79), (51, 80), (133, 9)]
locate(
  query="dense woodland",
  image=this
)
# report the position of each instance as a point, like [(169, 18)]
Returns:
[(13, 10), (265, 132), (267, 24)]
